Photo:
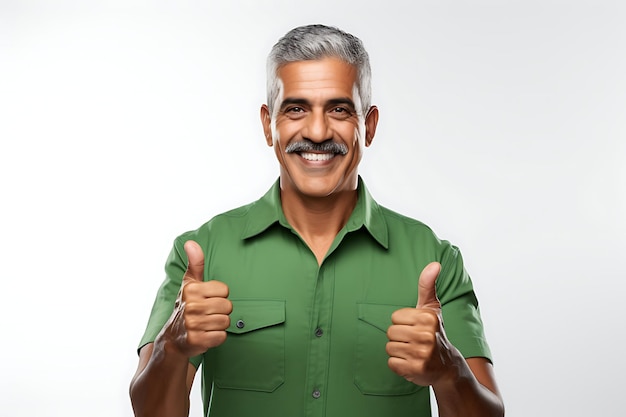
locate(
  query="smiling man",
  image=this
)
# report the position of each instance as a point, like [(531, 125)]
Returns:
[(315, 300), (318, 129)]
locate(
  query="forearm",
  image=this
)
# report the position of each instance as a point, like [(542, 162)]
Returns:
[(160, 388), (460, 394)]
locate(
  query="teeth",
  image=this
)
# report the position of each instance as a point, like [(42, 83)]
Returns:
[(317, 156)]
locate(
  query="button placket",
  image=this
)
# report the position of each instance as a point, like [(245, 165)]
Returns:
[(317, 367)]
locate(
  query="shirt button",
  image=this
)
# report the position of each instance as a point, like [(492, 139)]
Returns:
[(240, 324), (319, 332), (316, 394)]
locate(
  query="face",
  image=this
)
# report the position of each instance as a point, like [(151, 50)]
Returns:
[(317, 129)]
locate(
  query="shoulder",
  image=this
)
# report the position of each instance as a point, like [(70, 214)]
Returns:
[(230, 223), (393, 218), (407, 231), (400, 224)]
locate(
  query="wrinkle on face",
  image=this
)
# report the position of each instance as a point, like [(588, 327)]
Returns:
[(317, 103)]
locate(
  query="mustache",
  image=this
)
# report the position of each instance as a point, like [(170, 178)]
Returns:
[(306, 145)]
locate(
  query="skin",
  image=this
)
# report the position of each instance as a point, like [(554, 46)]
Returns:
[(420, 352), (318, 104), (318, 193), (164, 376)]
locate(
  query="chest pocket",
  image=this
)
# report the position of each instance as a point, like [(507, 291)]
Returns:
[(371, 374), (253, 355)]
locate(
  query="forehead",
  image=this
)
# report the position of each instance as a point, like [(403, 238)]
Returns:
[(323, 77)]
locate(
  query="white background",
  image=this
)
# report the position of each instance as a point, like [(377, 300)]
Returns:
[(503, 127)]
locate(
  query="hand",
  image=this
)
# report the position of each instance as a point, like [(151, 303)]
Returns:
[(201, 313), (418, 348)]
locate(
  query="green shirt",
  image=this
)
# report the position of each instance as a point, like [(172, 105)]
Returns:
[(309, 340)]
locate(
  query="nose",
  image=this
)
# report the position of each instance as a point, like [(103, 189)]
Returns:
[(317, 128)]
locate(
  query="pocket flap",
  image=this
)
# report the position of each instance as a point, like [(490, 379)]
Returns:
[(250, 315), (377, 315)]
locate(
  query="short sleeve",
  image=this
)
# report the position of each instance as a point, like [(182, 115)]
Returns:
[(461, 314)]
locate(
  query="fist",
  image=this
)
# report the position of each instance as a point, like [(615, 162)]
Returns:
[(418, 348), (202, 310)]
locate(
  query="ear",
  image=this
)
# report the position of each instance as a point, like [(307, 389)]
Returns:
[(266, 122), (371, 121)]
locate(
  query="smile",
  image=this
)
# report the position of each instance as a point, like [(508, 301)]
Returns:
[(317, 156)]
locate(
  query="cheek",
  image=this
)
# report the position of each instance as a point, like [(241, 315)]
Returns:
[(359, 138), (274, 131), (285, 130)]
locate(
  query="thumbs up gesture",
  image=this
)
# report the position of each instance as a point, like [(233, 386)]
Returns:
[(201, 312), (418, 348)]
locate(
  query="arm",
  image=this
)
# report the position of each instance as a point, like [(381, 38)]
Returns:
[(471, 391), (162, 383), (198, 322), (421, 353)]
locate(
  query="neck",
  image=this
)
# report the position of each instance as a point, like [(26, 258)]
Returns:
[(318, 219)]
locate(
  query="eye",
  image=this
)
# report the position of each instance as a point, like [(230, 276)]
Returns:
[(294, 112), (340, 112)]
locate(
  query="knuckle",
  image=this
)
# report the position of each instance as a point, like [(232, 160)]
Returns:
[(216, 338), (193, 339), (221, 305), (220, 321), (212, 306), (393, 364), (424, 352), (190, 308), (218, 288), (189, 290), (428, 318), (390, 333), (399, 315), (189, 322), (394, 333), (426, 338)]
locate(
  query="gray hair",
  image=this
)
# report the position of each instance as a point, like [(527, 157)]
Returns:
[(313, 42)]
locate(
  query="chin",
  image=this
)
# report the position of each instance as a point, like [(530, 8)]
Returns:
[(322, 187), (315, 189)]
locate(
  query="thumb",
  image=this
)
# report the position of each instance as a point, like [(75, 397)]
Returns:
[(426, 293), (195, 265)]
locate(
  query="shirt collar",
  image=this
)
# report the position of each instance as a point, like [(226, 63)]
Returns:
[(267, 211)]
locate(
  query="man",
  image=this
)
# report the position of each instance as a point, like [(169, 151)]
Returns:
[(315, 300)]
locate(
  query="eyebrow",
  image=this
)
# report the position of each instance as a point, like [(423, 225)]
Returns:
[(302, 101), (343, 100), (290, 101)]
